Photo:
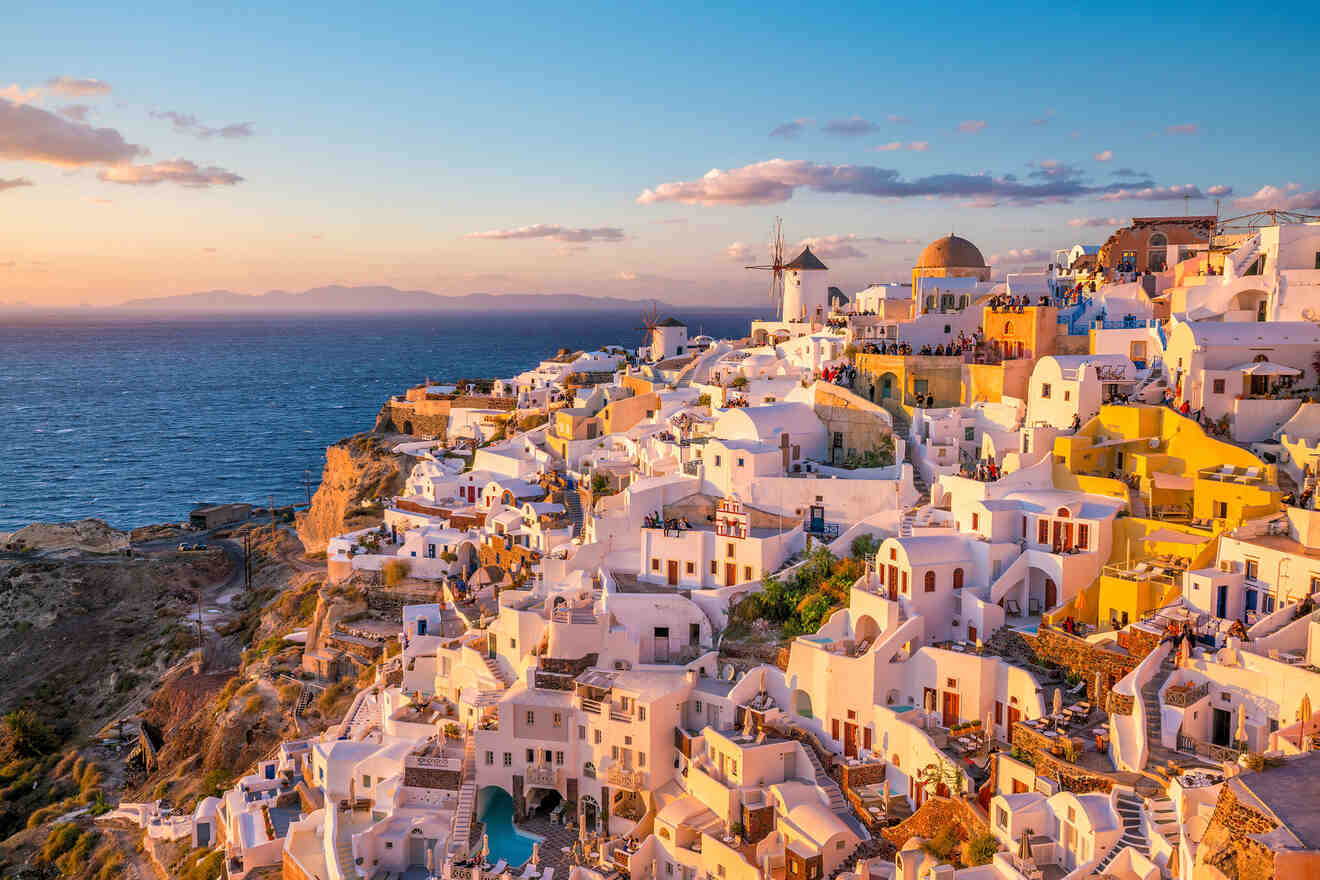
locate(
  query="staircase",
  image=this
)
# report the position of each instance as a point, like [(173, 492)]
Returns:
[(909, 520), (467, 799), (1165, 818), (838, 804), (577, 614), (344, 847), (573, 506), (493, 664), (1129, 813)]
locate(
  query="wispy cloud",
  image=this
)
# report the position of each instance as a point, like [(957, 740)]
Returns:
[(1078, 222), (970, 126), (898, 119), (789, 129), (1289, 197), (29, 133), (915, 146), (843, 247), (1218, 190), (1131, 174), (1104, 156), (1053, 169), (1160, 193), (76, 112), (1019, 255), (19, 95), (740, 252), (775, 180), (553, 232), (1185, 128), (13, 183), (76, 88), (187, 123), (179, 171), (853, 126)]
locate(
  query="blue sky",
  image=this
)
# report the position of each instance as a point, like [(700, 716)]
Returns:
[(372, 144)]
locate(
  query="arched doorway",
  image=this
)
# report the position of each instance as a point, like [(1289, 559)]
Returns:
[(887, 383), (407, 427), (590, 813), (1051, 593), (802, 703), (866, 629), (1157, 252)]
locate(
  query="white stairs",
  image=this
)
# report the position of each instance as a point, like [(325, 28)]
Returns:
[(467, 798)]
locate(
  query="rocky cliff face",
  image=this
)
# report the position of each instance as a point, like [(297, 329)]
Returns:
[(359, 469)]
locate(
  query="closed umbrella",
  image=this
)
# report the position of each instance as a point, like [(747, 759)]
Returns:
[(1099, 687), (485, 847), (536, 853), (1024, 845), (1305, 712), (1058, 701), (1241, 734)]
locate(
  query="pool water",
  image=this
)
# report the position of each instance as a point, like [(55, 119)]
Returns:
[(901, 709), (820, 640), (1032, 628), (495, 810)]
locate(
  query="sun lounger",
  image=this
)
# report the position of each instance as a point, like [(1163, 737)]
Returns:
[(499, 867)]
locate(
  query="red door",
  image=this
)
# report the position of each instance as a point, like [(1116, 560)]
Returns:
[(866, 738), (834, 729), (950, 708), (730, 574), (673, 572), (971, 634), (1051, 593), (893, 583), (849, 740), (1014, 716)]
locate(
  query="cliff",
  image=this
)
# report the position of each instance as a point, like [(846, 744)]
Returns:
[(358, 469)]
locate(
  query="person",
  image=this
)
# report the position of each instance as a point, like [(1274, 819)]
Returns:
[(1185, 408), (1076, 421)]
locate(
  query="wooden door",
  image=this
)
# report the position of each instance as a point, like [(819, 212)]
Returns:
[(849, 740), (673, 572), (1014, 716), (1051, 593), (730, 574), (950, 708), (866, 738), (893, 583), (971, 634)]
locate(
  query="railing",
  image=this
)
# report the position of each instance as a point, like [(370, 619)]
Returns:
[(543, 777), (621, 777), (1182, 697), (1203, 749), (592, 706)]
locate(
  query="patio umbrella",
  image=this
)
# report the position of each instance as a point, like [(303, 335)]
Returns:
[(1241, 735), (485, 847), (536, 853), (1099, 686), (1058, 701), (1024, 845), (1305, 713)]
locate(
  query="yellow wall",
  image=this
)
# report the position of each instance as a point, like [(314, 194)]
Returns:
[(1034, 328), (991, 383)]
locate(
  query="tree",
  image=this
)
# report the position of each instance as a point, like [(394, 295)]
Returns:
[(980, 850), (395, 571), (863, 547), (25, 735)]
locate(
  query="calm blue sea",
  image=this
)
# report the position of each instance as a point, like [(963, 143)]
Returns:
[(137, 420)]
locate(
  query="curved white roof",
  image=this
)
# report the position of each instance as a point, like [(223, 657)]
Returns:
[(930, 549), (1231, 333), (767, 422), (804, 809)]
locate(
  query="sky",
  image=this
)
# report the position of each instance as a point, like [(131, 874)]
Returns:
[(619, 150)]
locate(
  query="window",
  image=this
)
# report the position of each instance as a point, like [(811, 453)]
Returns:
[(490, 759), (957, 578), (557, 720), (641, 713), (930, 582), (893, 553), (797, 452), (1001, 818), (1317, 259), (698, 705), (1045, 390), (714, 567), (976, 521), (1067, 395), (596, 738), (1043, 531), (655, 564), (728, 550), (717, 461), (559, 758), (531, 756), (1083, 536), (366, 780), (1253, 570), (641, 761), (969, 434), (741, 461), (582, 731), (1221, 509), (690, 568), (905, 582), (1219, 386), (747, 572), (614, 752), (508, 759)]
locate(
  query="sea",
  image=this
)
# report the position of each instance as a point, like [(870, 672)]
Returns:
[(137, 420)]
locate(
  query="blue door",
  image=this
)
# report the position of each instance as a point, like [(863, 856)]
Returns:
[(1221, 606)]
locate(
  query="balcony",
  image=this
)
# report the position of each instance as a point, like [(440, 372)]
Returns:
[(1203, 749), (1184, 695), (542, 776), (622, 777)]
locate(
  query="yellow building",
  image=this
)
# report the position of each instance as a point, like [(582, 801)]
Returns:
[(1029, 333), (897, 381)]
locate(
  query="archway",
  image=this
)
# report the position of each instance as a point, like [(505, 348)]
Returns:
[(542, 801), (590, 813), (407, 427), (802, 703), (887, 383), (1255, 301), (1157, 252), (866, 629)]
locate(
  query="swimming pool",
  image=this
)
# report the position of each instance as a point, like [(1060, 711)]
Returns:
[(820, 640), (1032, 628), (901, 709), (495, 810)]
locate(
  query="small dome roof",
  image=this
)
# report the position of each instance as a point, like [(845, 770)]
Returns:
[(951, 252)]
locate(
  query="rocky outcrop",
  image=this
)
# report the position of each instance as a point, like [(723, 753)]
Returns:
[(361, 469), (87, 535)]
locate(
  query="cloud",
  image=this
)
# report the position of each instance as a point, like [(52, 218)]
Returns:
[(180, 171), (915, 146), (971, 126), (1289, 197), (1053, 169), (853, 126), (1103, 156), (14, 183), (1185, 128), (31, 134), (789, 129), (186, 122), (741, 252), (1131, 173), (1077, 222), (76, 88), (1159, 193), (18, 95), (775, 180), (1019, 255), (568, 250), (843, 247), (76, 112), (552, 231), (898, 119)]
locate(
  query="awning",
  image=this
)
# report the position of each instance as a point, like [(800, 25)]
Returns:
[(1169, 536), (1265, 368), (1173, 481)]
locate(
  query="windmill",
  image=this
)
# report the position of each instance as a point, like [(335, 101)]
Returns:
[(650, 320), (776, 266)]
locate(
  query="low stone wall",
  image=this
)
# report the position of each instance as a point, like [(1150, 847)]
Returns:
[(1080, 657), (403, 418), (935, 815), (430, 777)]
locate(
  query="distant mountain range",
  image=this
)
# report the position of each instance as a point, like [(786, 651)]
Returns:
[(337, 298)]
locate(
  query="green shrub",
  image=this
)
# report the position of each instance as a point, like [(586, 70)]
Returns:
[(980, 850)]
